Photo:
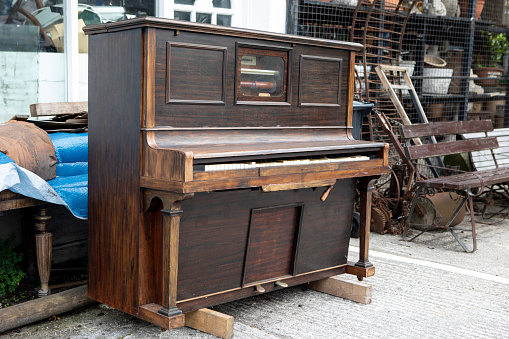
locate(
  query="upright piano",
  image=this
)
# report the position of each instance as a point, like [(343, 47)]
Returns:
[(221, 165)]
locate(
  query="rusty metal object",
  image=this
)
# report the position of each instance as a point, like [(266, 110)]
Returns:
[(30, 147), (379, 220), (380, 26), (437, 209)]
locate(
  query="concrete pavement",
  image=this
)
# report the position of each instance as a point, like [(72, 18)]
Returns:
[(428, 288)]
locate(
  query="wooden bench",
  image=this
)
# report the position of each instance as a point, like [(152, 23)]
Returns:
[(467, 184)]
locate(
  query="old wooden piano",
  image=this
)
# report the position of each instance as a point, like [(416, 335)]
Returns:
[(221, 165)]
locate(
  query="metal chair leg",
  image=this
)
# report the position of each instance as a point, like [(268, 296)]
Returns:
[(412, 208), (474, 239)]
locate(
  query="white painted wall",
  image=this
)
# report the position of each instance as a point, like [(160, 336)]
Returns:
[(28, 77), (264, 15), (18, 83), (51, 87)]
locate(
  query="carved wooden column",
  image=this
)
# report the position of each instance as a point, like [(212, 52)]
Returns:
[(43, 243), (366, 189), (171, 228), (171, 213)]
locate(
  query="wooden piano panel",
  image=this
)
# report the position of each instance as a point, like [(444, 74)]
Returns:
[(273, 233), (214, 233), (320, 81), (213, 114), (195, 73)]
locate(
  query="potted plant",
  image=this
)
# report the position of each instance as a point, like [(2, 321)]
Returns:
[(490, 65), (478, 8)]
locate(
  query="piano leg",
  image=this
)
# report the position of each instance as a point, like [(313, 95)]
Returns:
[(366, 186), (171, 225)]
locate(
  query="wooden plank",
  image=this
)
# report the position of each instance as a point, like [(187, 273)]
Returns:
[(340, 287), (468, 180), (380, 70), (43, 308), (56, 108), (149, 312), (211, 322), (445, 127), (445, 148), (12, 201)]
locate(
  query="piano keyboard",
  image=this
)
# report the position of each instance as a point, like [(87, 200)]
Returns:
[(296, 162)]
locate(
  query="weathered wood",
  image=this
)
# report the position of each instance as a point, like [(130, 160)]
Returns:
[(366, 189), (445, 148), (340, 287), (150, 312), (171, 226), (207, 186), (445, 128), (43, 308), (114, 168), (250, 290), (211, 322), (380, 70), (12, 201), (57, 108), (468, 180), (360, 271), (293, 186)]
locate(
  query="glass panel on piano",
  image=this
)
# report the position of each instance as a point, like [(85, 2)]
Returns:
[(224, 20), (262, 75)]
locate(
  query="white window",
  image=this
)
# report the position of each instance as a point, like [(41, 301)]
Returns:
[(217, 12)]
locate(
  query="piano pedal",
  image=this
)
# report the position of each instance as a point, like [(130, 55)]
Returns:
[(280, 284), (259, 288)]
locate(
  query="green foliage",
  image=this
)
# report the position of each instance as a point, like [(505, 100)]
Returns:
[(10, 274), (496, 46)]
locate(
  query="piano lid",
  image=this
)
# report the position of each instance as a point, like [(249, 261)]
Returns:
[(215, 29)]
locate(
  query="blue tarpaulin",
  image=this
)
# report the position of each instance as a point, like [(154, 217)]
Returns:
[(69, 188)]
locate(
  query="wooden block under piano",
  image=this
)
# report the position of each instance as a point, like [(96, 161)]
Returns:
[(221, 165)]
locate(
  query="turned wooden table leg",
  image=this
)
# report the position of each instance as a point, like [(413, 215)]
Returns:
[(43, 243), (366, 188)]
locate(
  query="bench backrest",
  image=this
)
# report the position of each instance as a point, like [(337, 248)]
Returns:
[(448, 128)]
